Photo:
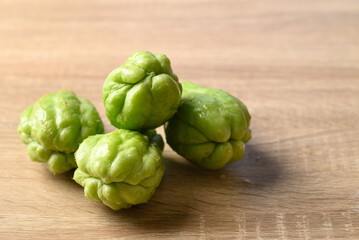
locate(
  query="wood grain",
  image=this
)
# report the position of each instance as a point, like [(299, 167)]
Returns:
[(294, 64)]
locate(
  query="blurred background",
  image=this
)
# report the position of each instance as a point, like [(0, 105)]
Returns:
[(243, 47), (295, 64)]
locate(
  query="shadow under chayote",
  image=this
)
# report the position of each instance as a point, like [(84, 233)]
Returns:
[(187, 191)]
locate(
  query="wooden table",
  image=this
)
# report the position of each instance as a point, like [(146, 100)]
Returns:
[(295, 64)]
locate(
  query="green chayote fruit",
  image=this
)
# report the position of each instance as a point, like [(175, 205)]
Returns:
[(143, 93), (54, 127), (210, 128), (121, 168)]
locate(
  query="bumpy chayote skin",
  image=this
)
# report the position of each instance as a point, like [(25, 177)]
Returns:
[(210, 128), (143, 93), (54, 127), (121, 168)]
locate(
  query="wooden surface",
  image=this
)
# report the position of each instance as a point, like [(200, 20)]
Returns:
[(295, 64)]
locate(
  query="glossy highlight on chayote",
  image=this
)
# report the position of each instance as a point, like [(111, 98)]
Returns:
[(54, 127), (143, 93), (121, 168), (210, 128)]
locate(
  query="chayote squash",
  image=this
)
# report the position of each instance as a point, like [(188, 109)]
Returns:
[(143, 93), (54, 127), (121, 168), (210, 128)]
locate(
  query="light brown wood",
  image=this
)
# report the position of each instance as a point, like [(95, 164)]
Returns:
[(295, 64)]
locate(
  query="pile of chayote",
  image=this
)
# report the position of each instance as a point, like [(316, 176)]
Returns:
[(207, 126)]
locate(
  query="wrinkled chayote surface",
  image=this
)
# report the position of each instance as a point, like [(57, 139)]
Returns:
[(210, 128), (121, 168), (54, 127), (143, 93)]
